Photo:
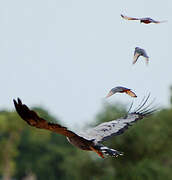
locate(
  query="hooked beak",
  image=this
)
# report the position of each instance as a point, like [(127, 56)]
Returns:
[(109, 94)]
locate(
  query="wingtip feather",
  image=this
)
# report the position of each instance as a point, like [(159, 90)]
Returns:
[(19, 101), (14, 101), (143, 111)]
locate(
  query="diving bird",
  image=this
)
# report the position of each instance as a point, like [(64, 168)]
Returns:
[(140, 52), (146, 20), (120, 89), (92, 139)]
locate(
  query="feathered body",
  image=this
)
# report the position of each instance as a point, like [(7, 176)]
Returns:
[(92, 139), (120, 89), (140, 52), (146, 20)]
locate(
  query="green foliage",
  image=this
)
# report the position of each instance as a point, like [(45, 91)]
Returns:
[(9, 139), (147, 146), (171, 95), (43, 151)]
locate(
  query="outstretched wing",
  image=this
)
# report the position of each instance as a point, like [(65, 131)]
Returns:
[(116, 127), (158, 22), (129, 18), (131, 93), (33, 119), (146, 56), (136, 56), (144, 53)]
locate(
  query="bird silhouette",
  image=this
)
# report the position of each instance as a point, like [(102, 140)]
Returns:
[(146, 20), (120, 89), (140, 52), (92, 139)]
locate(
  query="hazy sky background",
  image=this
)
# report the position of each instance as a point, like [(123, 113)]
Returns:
[(65, 55)]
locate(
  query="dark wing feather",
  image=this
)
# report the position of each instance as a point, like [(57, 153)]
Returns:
[(106, 130), (33, 119)]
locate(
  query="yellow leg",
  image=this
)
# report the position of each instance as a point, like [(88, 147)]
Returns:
[(98, 152)]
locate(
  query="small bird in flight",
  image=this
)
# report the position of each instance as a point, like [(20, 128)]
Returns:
[(92, 139), (146, 20), (140, 52), (120, 89)]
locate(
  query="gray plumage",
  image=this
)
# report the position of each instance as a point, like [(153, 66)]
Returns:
[(106, 130), (146, 20), (120, 89), (89, 140), (140, 52)]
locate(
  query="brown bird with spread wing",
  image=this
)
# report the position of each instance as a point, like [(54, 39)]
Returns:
[(120, 89), (146, 20), (92, 139)]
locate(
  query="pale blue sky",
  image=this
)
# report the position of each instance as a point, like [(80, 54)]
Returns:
[(66, 55)]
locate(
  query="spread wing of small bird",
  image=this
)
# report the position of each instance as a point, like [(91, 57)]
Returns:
[(136, 56), (129, 18), (140, 52), (157, 22), (120, 89), (131, 93), (146, 20)]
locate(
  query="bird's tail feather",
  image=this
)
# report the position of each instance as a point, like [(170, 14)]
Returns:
[(110, 152)]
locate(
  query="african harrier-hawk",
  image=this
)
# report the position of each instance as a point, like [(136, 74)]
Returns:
[(90, 140)]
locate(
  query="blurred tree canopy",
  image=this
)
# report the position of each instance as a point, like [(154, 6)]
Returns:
[(30, 153)]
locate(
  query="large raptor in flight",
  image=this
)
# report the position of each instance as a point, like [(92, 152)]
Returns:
[(92, 139)]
